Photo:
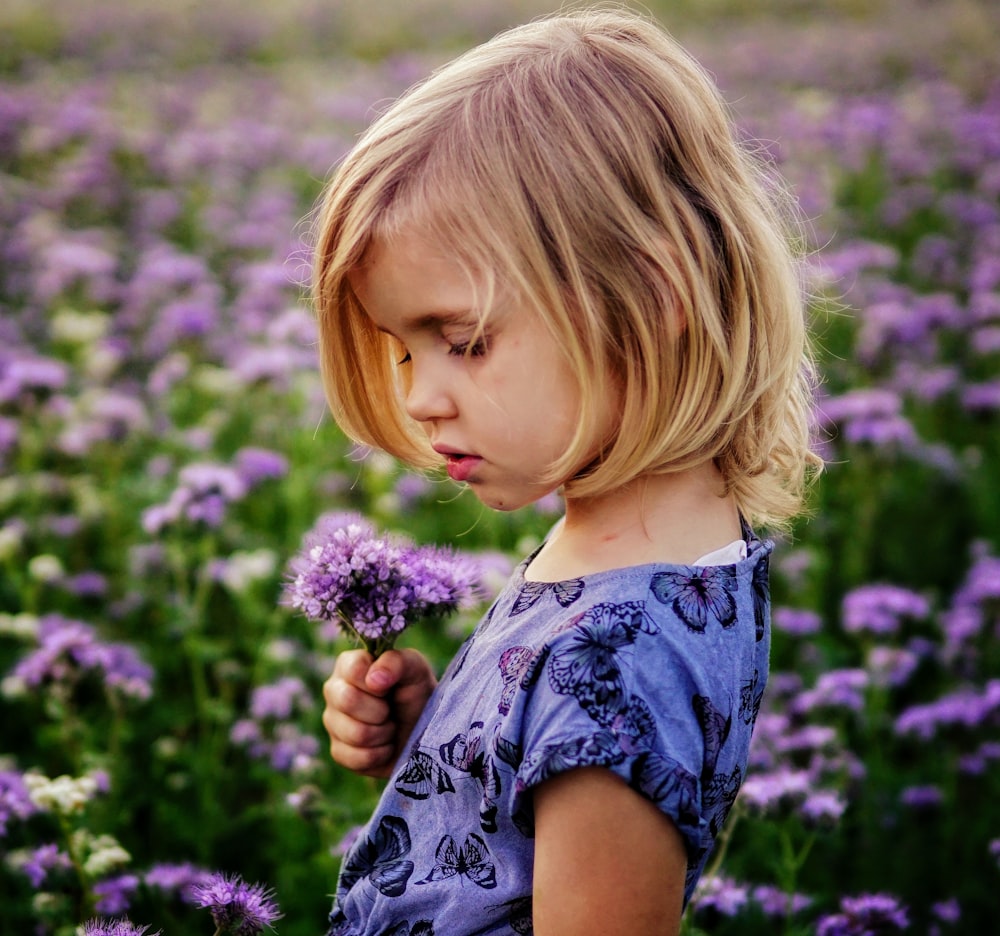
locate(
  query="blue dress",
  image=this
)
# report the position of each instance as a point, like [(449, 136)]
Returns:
[(655, 672)]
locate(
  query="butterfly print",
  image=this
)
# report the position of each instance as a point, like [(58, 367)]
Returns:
[(421, 776), (510, 752), (761, 595), (471, 861), (750, 699), (720, 794), (601, 748), (715, 728), (467, 753), (699, 595), (420, 928), (586, 667), (564, 592), (519, 915), (381, 859), (514, 663), (663, 779), (635, 727)]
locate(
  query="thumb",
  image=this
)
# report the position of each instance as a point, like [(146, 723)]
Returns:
[(385, 672)]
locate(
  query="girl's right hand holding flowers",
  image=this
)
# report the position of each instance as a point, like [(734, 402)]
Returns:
[(372, 706)]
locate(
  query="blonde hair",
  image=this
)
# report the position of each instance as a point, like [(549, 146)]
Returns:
[(586, 163)]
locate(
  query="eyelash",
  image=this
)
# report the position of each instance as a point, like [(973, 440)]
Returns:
[(470, 349), (473, 349)]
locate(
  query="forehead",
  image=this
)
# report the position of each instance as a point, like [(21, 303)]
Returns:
[(412, 279)]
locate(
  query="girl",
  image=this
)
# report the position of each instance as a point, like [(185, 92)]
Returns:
[(551, 266)]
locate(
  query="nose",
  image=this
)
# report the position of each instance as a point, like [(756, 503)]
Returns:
[(430, 395)]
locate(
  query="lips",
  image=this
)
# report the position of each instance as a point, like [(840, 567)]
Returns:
[(459, 465)]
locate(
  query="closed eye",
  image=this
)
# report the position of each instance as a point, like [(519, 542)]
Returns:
[(477, 348)]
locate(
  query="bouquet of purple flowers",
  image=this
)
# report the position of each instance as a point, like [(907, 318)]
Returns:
[(371, 587)]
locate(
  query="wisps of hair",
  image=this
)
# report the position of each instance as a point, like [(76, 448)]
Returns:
[(586, 164)]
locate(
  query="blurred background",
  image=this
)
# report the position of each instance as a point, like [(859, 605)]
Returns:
[(164, 450)]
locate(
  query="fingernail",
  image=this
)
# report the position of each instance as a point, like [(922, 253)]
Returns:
[(379, 679)]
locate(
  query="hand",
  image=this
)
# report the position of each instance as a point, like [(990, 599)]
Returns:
[(372, 706)]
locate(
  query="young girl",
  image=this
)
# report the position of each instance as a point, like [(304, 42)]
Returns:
[(552, 266)]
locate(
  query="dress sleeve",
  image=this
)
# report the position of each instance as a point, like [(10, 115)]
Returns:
[(614, 689)]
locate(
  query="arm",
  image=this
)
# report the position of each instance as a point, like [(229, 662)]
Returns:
[(607, 861), (372, 706)]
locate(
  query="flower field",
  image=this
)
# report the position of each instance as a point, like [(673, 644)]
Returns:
[(164, 453)]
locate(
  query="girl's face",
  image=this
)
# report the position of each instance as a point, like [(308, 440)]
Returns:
[(499, 408)]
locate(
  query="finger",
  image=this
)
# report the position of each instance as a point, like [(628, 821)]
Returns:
[(352, 666), (357, 734), (372, 762), (343, 696)]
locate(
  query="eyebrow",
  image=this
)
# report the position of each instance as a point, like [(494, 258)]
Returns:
[(430, 319)]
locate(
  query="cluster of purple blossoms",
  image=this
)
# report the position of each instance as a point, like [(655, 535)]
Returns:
[(201, 497), (238, 908), (865, 915), (878, 609), (68, 648), (373, 587), (120, 927), (114, 894), (178, 880), (15, 800), (269, 735)]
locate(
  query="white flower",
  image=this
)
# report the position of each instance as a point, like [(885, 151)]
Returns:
[(46, 568), (64, 795)]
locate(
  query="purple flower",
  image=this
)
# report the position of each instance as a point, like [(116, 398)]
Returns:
[(238, 908), (257, 464), (776, 903), (280, 699), (797, 621), (922, 797), (877, 609), (24, 376), (43, 860), (720, 894), (67, 648), (966, 707), (179, 879), (114, 893), (204, 492), (121, 927), (865, 915), (15, 803), (373, 587)]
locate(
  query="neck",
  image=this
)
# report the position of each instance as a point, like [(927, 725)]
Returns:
[(672, 518)]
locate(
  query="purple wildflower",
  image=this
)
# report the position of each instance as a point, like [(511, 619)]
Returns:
[(41, 861), (121, 927), (922, 797), (839, 688), (31, 376), (865, 915), (797, 622), (878, 609), (15, 801), (280, 699), (257, 464), (67, 648), (176, 879), (775, 902), (114, 893), (204, 492), (965, 707), (373, 587), (237, 907), (720, 894)]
